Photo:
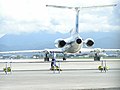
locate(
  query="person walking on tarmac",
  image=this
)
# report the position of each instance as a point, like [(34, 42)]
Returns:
[(53, 63)]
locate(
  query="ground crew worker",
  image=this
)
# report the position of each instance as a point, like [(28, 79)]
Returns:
[(53, 63)]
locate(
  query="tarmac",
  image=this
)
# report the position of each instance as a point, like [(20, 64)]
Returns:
[(75, 75)]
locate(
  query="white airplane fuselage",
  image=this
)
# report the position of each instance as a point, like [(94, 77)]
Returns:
[(72, 45)]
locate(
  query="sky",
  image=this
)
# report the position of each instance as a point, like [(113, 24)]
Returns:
[(27, 16)]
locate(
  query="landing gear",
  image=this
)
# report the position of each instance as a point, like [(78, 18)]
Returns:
[(64, 57), (46, 58), (97, 57)]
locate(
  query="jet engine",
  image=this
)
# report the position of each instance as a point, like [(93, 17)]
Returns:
[(78, 41), (59, 43), (89, 42)]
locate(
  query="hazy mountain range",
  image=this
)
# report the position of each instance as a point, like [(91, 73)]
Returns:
[(44, 39)]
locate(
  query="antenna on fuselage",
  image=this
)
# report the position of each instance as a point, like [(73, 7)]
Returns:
[(77, 9)]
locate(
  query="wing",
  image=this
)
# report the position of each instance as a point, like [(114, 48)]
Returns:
[(98, 50), (34, 51), (22, 51)]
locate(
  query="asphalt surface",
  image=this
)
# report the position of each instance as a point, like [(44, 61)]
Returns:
[(74, 76)]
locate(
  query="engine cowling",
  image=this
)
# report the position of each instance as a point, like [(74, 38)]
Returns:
[(78, 40), (59, 43), (89, 42)]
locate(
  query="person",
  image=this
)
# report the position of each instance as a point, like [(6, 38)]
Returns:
[(53, 63)]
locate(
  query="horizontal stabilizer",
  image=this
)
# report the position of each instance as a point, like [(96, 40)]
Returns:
[(83, 7)]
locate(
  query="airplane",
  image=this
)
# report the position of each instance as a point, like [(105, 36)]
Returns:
[(73, 44)]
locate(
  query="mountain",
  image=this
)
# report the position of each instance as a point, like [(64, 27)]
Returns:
[(25, 41), (104, 39), (44, 39)]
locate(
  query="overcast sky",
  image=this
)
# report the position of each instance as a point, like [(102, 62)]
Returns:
[(27, 16)]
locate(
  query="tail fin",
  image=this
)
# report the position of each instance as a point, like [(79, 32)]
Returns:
[(77, 22), (76, 30), (77, 12)]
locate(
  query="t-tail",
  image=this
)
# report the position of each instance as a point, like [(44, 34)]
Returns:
[(76, 30)]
